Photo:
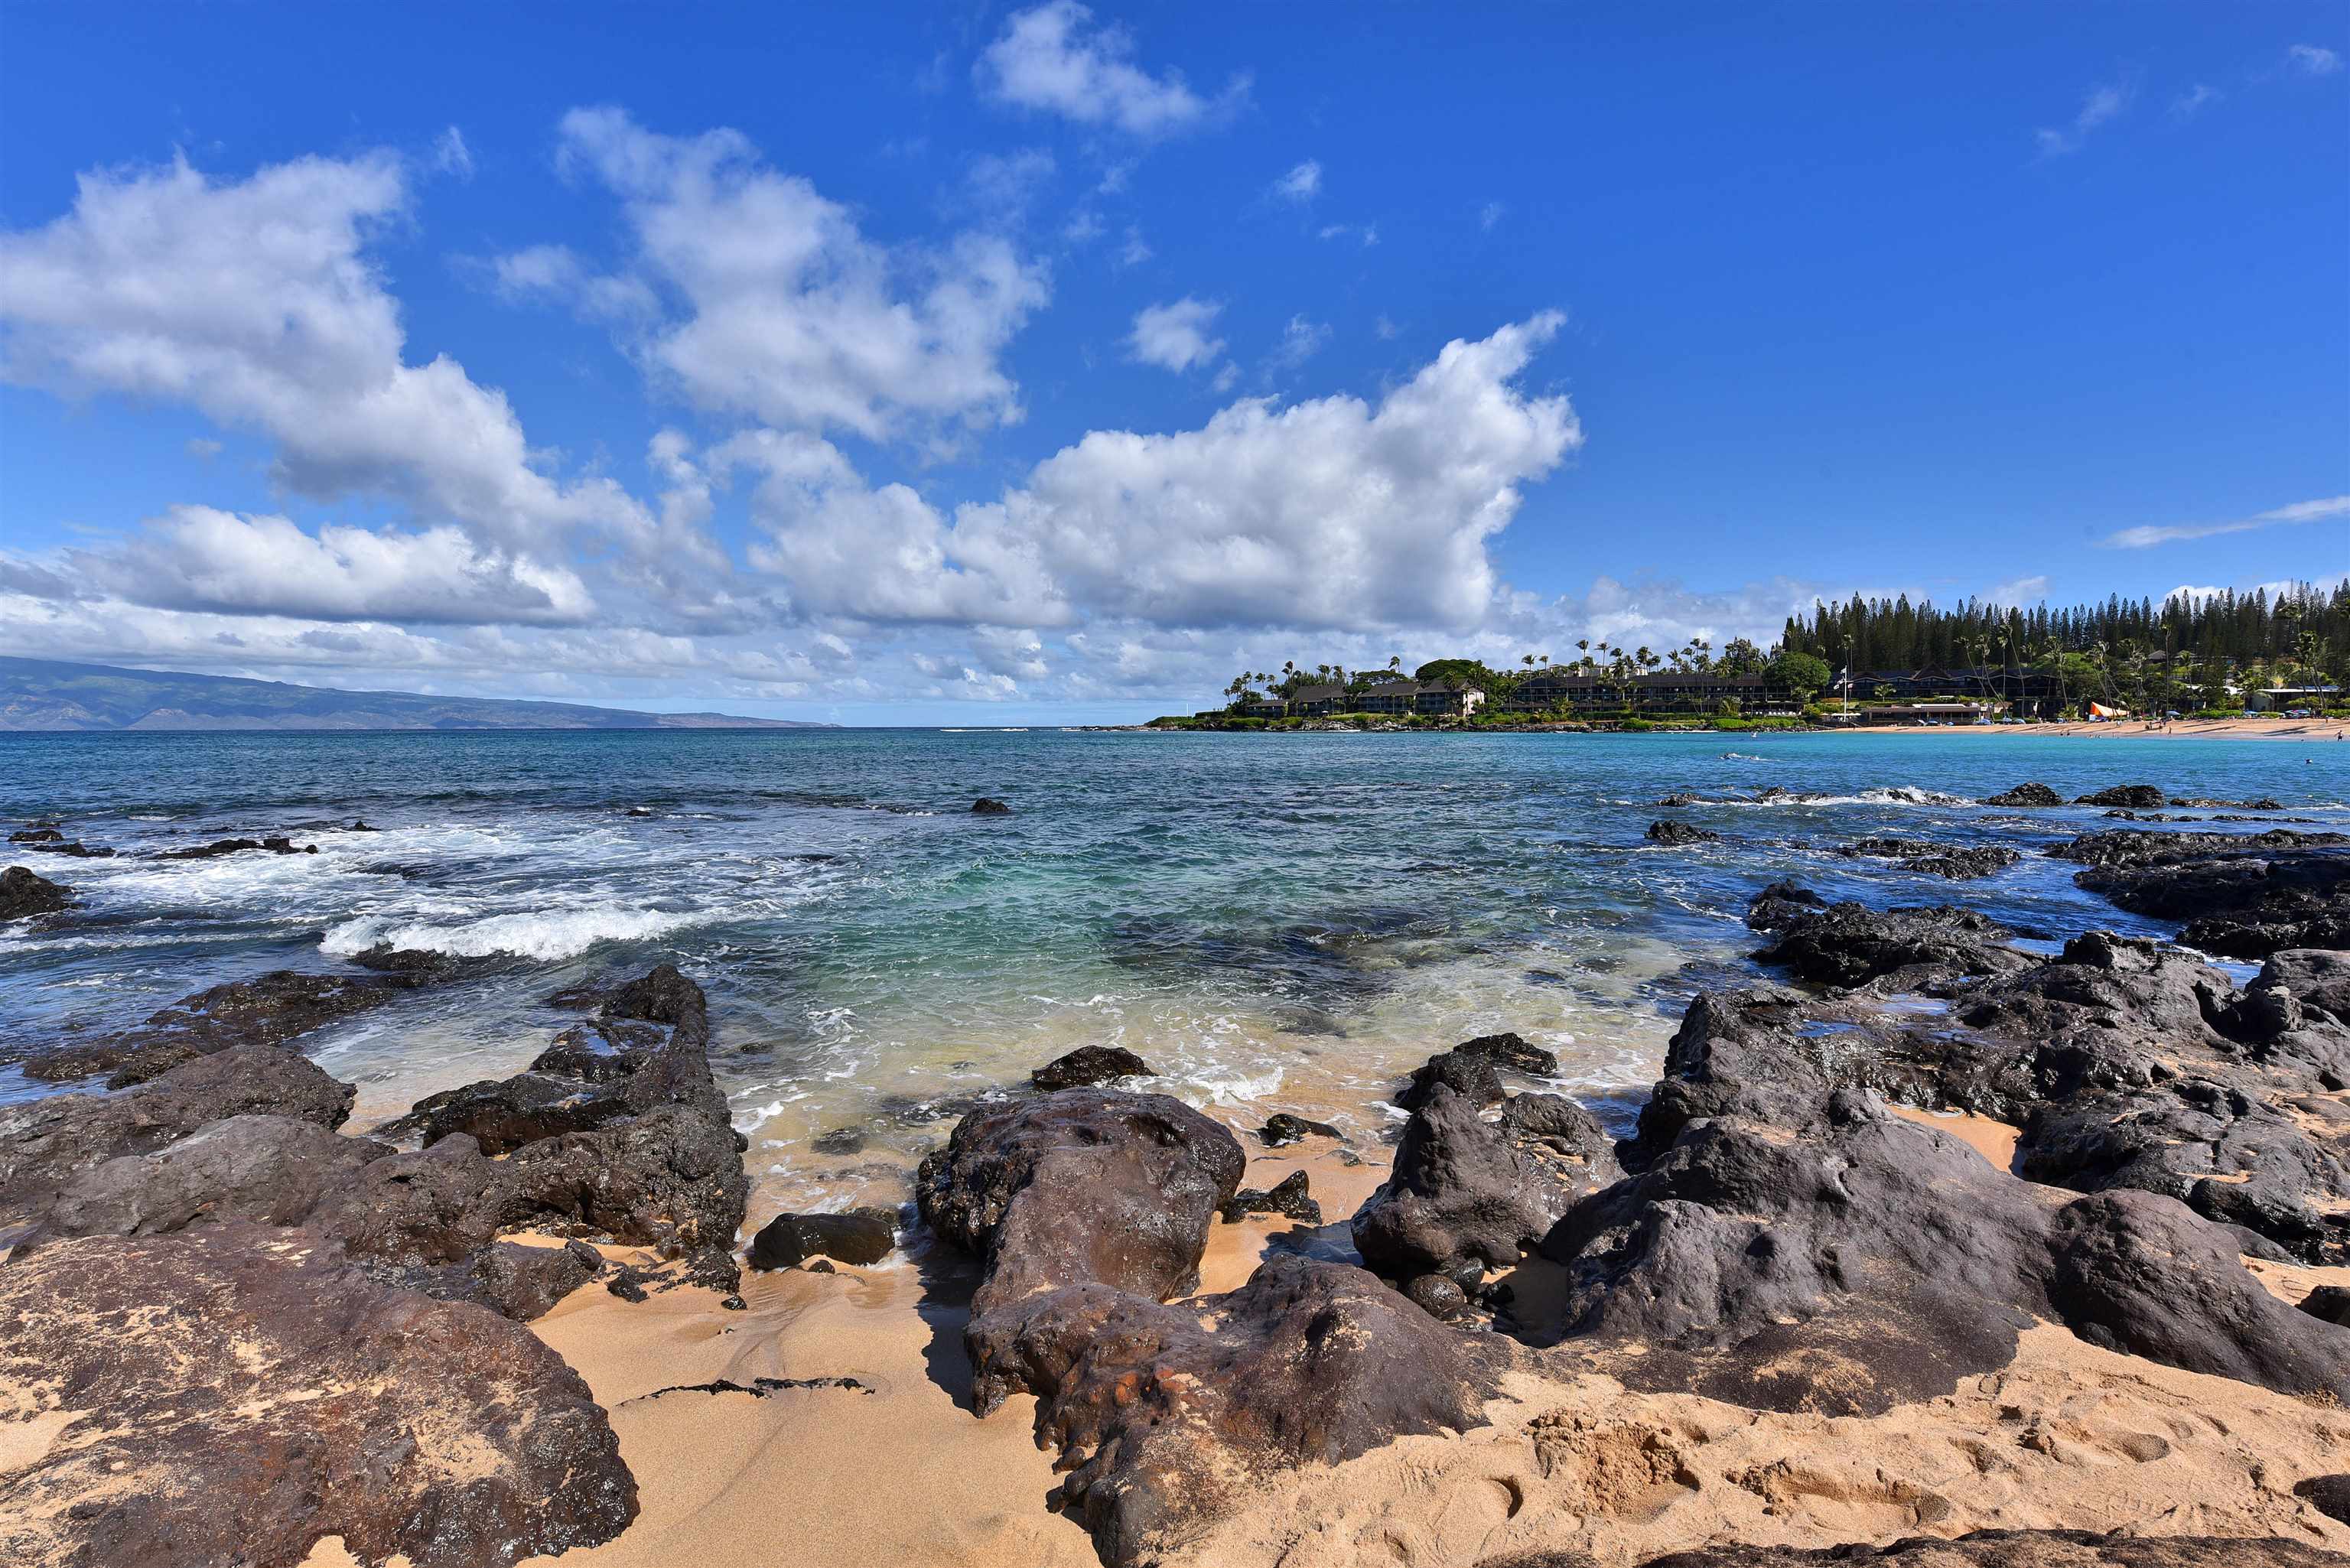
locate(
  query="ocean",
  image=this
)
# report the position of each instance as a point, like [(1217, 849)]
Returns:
[(1273, 922)]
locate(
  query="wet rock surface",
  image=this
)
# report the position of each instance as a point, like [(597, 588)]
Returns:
[(1473, 1069), (268, 1010), (1850, 944), (857, 1236), (233, 1393), (1679, 833), (24, 892), (2239, 895), (1290, 1196), (986, 806), (1087, 1065), (2143, 796), (2034, 794), (1282, 1128), (1957, 864), (220, 847)]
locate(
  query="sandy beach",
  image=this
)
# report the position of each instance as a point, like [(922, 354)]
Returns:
[(2271, 729)]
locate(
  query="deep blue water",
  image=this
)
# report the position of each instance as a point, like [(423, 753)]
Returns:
[(1272, 921)]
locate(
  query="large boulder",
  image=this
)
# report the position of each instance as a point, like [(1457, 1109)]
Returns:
[(1865, 1261), (235, 1393), (45, 1143), (1084, 1186), (24, 892), (1466, 1195), (2026, 794), (2137, 796)]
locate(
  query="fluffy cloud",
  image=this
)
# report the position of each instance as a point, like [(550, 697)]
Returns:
[(253, 302), (1051, 57), (1174, 336), (198, 558), (2312, 60), (1327, 513), (784, 310)]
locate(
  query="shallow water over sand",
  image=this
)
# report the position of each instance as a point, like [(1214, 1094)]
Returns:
[(1273, 922)]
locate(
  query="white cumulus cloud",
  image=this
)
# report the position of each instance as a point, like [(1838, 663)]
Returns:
[(1053, 57), (1174, 335)]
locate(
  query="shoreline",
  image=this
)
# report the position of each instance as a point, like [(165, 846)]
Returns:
[(2304, 729)]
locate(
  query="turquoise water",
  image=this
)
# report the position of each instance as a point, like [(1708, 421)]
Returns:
[(1273, 922)]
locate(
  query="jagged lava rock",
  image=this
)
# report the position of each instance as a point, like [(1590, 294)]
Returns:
[(1087, 1065), (23, 892)]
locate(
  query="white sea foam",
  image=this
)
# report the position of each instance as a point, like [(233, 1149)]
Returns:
[(546, 934)]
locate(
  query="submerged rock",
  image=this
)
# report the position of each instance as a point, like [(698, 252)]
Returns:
[(1087, 1065), (23, 892), (220, 847), (235, 1393), (986, 806)]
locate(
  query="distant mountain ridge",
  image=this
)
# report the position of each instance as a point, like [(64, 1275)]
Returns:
[(45, 695)]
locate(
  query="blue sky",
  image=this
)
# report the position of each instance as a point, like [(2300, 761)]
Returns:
[(880, 363)]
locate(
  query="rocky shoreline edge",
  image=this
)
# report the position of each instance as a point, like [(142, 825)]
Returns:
[(235, 1330)]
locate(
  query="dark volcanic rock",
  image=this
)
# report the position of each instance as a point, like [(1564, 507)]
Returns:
[(1088, 1208), (859, 1236), (1678, 833), (23, 892), (77, 849), (45, 1143), (241, 1392), (2241, 895), (1085, 1184), (1466, 1195), (1289, 1198), (2000, 1549), (268, 1010), (2027, 794), (1936, 859), (1471, 1069), (36, 836), (1181, 1410), (1088, 1065), (2143, 796), (1282, 1128), (1437, 1295), (220, 847), (985, 806), (1851, 944), (1867, 1260)]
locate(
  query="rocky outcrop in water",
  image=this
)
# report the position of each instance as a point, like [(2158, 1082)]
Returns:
[(1473, 1069), (857, 1236), (235, 1393), (2239, 895), (1087, 1065), (1679, 833), (274, 845), (2141, 796), (2026, 794), (1956, 864), (24, 892), (985, 807), (268, 1010), (1851, 944)]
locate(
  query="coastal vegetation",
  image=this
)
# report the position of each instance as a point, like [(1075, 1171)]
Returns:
[(1880, 660)]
